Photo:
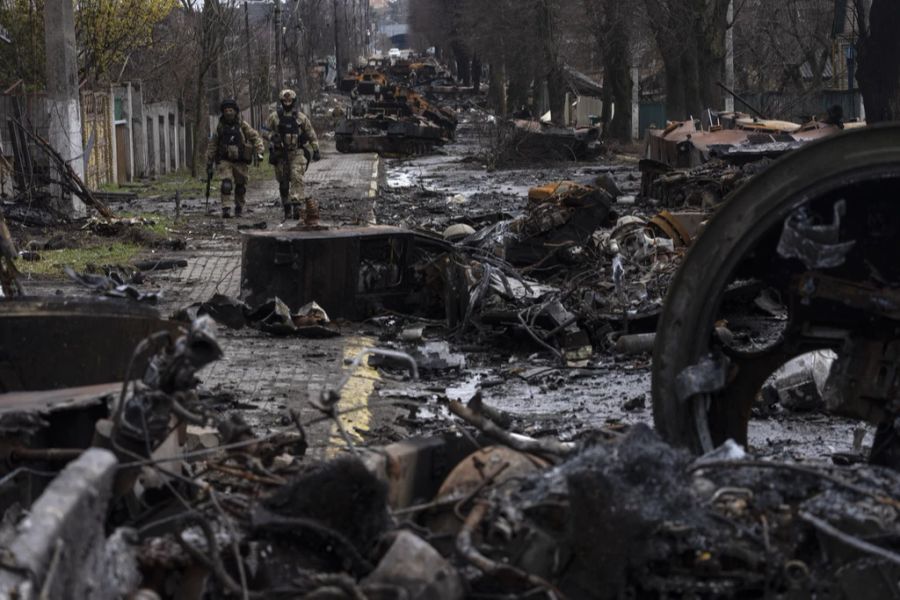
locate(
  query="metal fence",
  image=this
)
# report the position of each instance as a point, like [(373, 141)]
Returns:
[(774, 105), (96, 127), (123, 139), (794, 107), (22, 167)]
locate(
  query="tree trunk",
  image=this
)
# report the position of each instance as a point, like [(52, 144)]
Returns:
[(617, 66), (690, 81), (338, 50), (690, 36), (497, 89), (518, 78), (606, 110), (676, 104), (711, 28), (556, 87), (200, 126), (476, 73), (462, 63), (879, 63)]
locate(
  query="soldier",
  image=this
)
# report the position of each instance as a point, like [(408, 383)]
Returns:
[(292, 136), (231, 148)]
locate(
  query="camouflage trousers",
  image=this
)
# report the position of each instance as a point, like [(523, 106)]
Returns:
[(235, 173), (289, 173)]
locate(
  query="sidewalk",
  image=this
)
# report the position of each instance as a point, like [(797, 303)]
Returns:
[(269, 375), (345, 185)]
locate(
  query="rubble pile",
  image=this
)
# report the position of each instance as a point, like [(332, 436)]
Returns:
[(684, 165), (200, 507), (123, 476), (530, 140), (571, 255), (702, 187)]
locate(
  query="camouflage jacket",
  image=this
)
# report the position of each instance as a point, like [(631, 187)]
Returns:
[(251, 137), (303, 123)]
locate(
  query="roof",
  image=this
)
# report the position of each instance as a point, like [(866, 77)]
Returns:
[(581, 84)]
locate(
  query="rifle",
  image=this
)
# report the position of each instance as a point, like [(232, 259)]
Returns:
[(209, 176)]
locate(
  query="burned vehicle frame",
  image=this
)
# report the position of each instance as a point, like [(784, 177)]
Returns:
[(354, 272), (818, 231)]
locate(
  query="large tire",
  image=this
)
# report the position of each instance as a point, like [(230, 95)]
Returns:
[(693, 299)]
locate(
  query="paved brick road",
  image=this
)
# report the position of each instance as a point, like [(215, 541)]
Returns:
[(267, 374)]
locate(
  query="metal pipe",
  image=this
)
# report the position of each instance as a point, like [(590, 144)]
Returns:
[(47, 454)]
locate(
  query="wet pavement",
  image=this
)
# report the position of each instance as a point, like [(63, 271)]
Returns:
[(264, 377), (514, 457)]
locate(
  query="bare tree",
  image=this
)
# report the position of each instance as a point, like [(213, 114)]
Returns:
[(784, 47), (611, 25), (213, 21), (879, 58), (690, 35)]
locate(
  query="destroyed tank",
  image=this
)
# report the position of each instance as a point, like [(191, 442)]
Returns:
[(817, 235), (397, 123), (388, 136)]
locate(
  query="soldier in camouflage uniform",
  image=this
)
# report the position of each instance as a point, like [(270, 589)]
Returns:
[(231, 149), (293, 143)]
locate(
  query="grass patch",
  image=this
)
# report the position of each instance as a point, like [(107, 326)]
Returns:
[(190, 187), (166, 185), (80, 259), (162, 225), (263, 171), (181, 180)]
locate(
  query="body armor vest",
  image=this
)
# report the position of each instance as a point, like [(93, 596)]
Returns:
[(289, 129), (232, 145)]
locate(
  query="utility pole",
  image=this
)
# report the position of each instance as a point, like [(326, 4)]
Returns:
[(279, 68), (249, 64), (729, 56), (62, 94)]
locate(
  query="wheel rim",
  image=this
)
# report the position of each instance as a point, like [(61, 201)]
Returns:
[(751, 220)]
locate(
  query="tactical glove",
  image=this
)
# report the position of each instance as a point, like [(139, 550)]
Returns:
[(316, 155)]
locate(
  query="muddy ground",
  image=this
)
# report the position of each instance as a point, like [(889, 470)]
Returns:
[(516, 476), (264, 377)]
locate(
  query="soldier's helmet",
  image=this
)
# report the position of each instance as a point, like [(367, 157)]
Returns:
[(229, 103), (288, 96)]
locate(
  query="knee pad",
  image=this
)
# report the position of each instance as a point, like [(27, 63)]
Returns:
[(227, 186), (240, 188), (284, 188)]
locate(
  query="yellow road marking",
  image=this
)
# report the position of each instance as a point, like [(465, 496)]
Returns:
[(354, 395)]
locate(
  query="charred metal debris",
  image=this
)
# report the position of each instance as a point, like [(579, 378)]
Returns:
[(410, 107), (567, 276), (800, 301), (123, 477), (149, 492), (686, 164), (388, 116)]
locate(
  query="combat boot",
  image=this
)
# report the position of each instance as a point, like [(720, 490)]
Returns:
[(311, 216), (226, 212), (238, 210)]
